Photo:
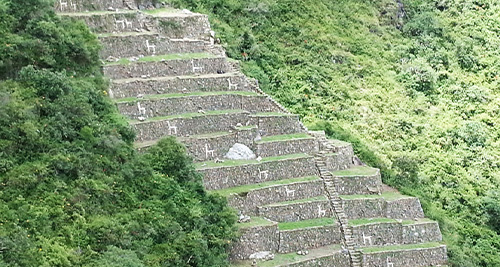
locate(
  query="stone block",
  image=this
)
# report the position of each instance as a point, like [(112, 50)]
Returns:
[(284, 147), (202, 124), (433, 256), (247, 202), (359, 185), (277, 124), (294, 212), (146, 44), (181, 84), (255, 239), (309, 238), (174, 67), (231, 176)]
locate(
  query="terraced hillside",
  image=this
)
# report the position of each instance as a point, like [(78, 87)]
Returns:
[(310, 201)]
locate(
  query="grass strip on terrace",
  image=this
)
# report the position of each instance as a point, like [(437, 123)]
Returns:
[(230, 163), (387, 196), (260, 114), (249, 187), (245, 128), (177, 95), (356, 171), (284, 137), (401, 247), (255, 221), (190, 115), (306, 223), (363, 221), (126, 61), (312, 199), (161, 10)]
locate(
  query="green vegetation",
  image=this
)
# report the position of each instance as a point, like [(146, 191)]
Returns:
[(284, 137), (389, 196), (73, 190), (356, 171), (312, 199), (306, 223), (191, 115), (412, 84), (255, 221)]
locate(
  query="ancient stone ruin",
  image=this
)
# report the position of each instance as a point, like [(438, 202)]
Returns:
[(303, 200)]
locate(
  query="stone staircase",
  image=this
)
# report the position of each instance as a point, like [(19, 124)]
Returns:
[(303, 201)]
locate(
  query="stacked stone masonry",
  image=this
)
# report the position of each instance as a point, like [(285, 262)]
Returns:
[(214, 107)]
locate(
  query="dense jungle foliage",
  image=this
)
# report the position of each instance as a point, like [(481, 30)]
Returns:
[(413, 84), (73, 192)]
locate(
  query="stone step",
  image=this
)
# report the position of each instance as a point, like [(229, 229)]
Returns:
[(94, 5), (247, 198), (232, 173), (278, 145), (123, 88), (322, 256), (187, 124), (173, 104), (274, 123), (297, 210), (387, 205), (167, 65), (387, 232), (308, 234), (134, 44), (426, 254), (358, 180)]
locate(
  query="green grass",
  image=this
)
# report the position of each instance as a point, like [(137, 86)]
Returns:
[(363, 221), (246, 188), (190, 115), (356, 171), (92, 13), (126, 61), (400, 247), (160, 10), (284, 137), (306, 223), (229, 163), (272, 114), (387, 196), (255, 221), (312, 199), (245, 128), (176, 95)]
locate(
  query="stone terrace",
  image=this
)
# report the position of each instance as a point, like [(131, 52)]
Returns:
[(304, 200)]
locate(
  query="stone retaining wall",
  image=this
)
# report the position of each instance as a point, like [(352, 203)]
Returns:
[(224, 177), (88, 5), (308, 238), (277, 125), (296, 211), (400, 258), (188, 104), (167, 68), (337, 260), (285, 147), (248, 202), (147, 45), (114, 22), (404, 208), (359, 185), (394, 233), (152, 130), (132, 88), (211, 148), (341, 157), (189, 26), (255, 239)]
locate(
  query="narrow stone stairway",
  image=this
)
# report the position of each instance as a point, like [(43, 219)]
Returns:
[(302, 200)]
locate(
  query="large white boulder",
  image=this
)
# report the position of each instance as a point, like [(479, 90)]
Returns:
[(240, 151)]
